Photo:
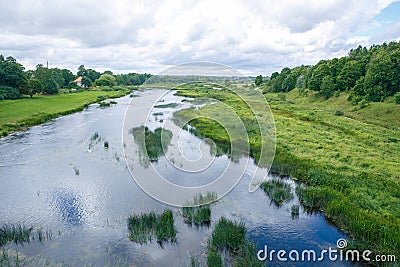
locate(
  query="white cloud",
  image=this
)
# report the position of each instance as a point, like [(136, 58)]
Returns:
[(122, 35)]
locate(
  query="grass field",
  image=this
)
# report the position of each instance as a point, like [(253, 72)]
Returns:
[(19, 114), (348, 158)]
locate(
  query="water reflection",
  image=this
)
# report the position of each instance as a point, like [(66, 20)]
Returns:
[(69, 205)]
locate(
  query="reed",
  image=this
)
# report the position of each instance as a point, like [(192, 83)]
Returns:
[(277, 191)]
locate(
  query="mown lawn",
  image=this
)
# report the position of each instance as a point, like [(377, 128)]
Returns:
[(21, 113), (349, 161)]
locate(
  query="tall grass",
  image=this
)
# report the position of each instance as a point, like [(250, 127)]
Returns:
[(231, 236), (144, 227), (199, 212), (14, 233)]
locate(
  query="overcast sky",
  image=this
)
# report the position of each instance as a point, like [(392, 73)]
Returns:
[(254, 37)]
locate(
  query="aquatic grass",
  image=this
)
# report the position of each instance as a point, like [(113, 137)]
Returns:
[(231, 235), (106, 145), (143, 228), (199, 211), (14, 233), (277, 191), (295, 210), (154, 143), (214, 259), (170, 105)]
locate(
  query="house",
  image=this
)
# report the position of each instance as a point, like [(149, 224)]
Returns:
[(78, 81)]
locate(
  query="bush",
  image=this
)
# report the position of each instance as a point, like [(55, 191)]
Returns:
[(397, 98), (7, 92), (339, 113)]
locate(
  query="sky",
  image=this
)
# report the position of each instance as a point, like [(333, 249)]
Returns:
[(251, 36)]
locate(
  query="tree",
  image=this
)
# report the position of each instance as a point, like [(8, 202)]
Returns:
[(86, 82), (12, 73), (327, 87), (258, 81), (45, 76), (105, 80), (32, 87), (81, 71), (92, 74)]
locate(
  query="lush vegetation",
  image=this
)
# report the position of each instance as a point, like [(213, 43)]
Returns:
[(366, 74), (278, 191), (154, 143), (231, 236), (349, 163), (22, 113), (146, 227)]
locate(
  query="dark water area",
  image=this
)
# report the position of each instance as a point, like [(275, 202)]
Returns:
[(60, 176)]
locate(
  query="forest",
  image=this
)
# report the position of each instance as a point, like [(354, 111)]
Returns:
[(369, 75)]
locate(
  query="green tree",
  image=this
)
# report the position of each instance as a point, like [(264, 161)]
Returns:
[(105, 80), (45, 76), (86, 82), (258, 80), (81, 71), (92, 74), (327, 87), (12, 73), (33, 86)]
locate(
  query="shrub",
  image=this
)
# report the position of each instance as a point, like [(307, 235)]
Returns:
[(7, 92), (397, 98), (339, 112)]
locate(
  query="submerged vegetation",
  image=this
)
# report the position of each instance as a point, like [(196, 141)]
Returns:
[(277, 191), (349, 163), (20, 234), (146, 227), (154, 143)]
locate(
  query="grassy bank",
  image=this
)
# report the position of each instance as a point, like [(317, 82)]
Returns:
[(16, 115), (347, 156)]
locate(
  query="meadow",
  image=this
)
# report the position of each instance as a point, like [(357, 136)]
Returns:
[(16, 115), (347, 157)]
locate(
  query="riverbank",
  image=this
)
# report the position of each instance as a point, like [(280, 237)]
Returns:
[(347, 157), (17, 115)]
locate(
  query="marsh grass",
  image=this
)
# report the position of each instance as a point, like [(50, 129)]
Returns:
[(231, 236), (277, 191), (106, 145), (199, 211), (154, 143), (170, 105), (146, 227), (295, 210), (14, 233)]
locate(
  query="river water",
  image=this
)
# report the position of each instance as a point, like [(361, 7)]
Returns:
[(60, 176)]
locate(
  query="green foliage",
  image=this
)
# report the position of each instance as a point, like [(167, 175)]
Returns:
[(11, 73), (47, 79), (86, 82), (214, 259), (7, 92), (258, 80), (370, 74), (339, 112), (34, 86), (105, 80), (15, 233), (145, 227), (397, 98)]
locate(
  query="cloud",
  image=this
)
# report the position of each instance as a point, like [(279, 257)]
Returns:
[(148, 36)]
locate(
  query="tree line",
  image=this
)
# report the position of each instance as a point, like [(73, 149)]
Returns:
[(366, 74), (15, 81)]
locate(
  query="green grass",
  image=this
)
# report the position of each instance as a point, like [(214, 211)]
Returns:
[(14, 233), (349, 164), (146, 227), (277, 191), (16, 115), (231, 236)]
